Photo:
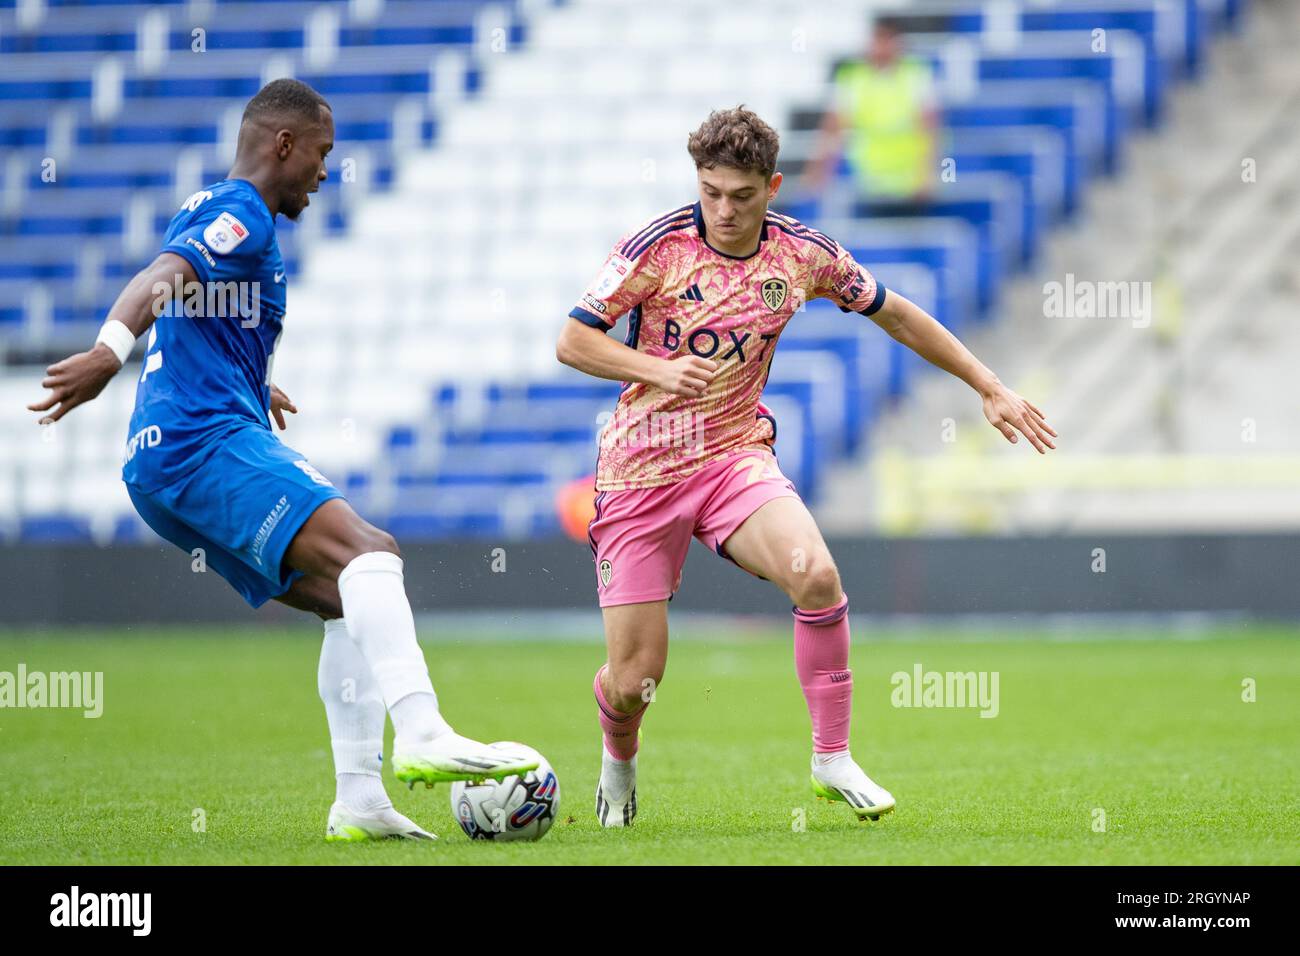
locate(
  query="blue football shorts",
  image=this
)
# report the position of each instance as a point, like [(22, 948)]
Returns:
[(242, 507)]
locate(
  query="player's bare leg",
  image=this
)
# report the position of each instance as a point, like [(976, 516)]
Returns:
[(319, 596), (355, 713), (636, 640), (336, 544), (781, 542)]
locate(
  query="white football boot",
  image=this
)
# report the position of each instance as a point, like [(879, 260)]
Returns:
[(348, 826), (453, 757), (616, 791), (843, 779)]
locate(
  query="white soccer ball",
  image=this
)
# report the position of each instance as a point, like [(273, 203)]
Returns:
[(515, 808)]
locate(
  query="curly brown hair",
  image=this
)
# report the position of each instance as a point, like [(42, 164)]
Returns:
[(735, 138)]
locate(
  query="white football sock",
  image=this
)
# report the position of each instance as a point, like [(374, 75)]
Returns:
[(355, 713), (380, 622), (361, 793), (618, 776), (416, 718), (821, 760)]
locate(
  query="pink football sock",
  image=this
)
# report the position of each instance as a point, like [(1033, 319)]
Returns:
[(821, 659), (620, 729)]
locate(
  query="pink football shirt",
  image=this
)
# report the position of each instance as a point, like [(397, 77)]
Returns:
[(681, 297)]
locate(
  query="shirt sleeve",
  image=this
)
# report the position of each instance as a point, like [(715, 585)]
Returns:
[(622, 285), (838, 277), (224, 241)]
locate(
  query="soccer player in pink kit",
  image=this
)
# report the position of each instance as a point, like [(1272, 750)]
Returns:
[(708, 289)]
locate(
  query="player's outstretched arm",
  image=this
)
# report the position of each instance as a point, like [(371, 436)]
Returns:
[(923, 334), (81, 377), (591, 350)]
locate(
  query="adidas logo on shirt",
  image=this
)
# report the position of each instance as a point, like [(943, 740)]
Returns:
[(692, 294)]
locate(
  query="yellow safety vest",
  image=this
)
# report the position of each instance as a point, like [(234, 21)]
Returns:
[(889, 146)]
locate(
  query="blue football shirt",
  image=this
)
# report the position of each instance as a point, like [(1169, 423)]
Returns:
[(207, 371)]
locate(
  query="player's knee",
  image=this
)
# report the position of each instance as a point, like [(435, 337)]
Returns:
[(818, 586), (635, 686), (383, 541), (367, 539)]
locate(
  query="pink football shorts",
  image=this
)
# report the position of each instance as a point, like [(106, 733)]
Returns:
[(639, 537)]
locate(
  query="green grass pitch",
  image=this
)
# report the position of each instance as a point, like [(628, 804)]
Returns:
[(1150, 728)]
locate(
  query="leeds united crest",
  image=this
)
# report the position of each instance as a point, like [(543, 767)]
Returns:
[(774, 291)]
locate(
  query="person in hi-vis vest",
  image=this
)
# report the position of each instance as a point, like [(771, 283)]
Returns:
[(884, 119)]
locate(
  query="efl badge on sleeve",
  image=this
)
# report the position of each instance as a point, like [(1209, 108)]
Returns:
[(611, 276), (774, 291), (224, 233)]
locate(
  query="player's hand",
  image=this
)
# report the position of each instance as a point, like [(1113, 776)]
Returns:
[(281, 403), (75, 381), (1009, 413), (687, 375)]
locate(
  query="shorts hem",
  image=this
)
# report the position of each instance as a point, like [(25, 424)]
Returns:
[(646, 598), (263, 597)]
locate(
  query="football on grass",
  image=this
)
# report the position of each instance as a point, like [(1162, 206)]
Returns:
[(516, 808)]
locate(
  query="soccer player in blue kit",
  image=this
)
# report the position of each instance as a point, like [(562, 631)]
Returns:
[(205, 470)]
